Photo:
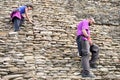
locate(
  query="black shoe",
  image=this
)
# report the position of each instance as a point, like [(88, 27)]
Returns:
[(88, 75), (93, 66)]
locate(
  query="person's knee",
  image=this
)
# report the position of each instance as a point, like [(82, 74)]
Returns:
[(84, 52), (94, 48)]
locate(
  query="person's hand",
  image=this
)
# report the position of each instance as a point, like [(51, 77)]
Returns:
[(90, 41), (31, 21)]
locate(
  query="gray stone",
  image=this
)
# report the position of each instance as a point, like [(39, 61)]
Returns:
[(48, 49)]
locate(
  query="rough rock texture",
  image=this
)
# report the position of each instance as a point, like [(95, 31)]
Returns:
[(47, 50)]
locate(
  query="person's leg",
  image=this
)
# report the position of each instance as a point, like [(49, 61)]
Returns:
[(22, 21), (78, 40), (85, 56), (85, 59), (94, 57), (16, 22)]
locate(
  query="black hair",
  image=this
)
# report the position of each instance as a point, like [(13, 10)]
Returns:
[(28, 5)]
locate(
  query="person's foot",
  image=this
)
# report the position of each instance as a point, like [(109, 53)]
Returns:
[(16, 30), (94, 66), (88, 74)]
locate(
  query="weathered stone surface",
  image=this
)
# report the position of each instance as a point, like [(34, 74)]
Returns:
[(8, 77), (48, 49)]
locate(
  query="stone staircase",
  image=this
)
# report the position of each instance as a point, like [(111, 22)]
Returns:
[(47, 50)]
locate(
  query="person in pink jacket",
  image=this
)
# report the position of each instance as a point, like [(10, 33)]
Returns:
[(17, 16)]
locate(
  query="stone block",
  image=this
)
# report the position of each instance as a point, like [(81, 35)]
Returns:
[(8, 77), (13, 34)]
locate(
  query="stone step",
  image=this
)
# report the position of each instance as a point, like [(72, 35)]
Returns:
[(47, 50), (8, 77)]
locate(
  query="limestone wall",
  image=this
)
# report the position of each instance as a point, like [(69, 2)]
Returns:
[(47, 50)]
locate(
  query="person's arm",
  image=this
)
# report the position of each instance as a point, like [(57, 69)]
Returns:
[(26, 14), (84, 28), (90, 40), (85, 33), (87, 36)]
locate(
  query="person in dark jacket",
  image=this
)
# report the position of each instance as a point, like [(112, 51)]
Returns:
[(17, 16), (85, 46)]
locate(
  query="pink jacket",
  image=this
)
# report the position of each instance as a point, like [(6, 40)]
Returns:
[(14, 14)]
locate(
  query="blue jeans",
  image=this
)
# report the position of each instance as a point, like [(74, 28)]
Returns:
[(17, 23)]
